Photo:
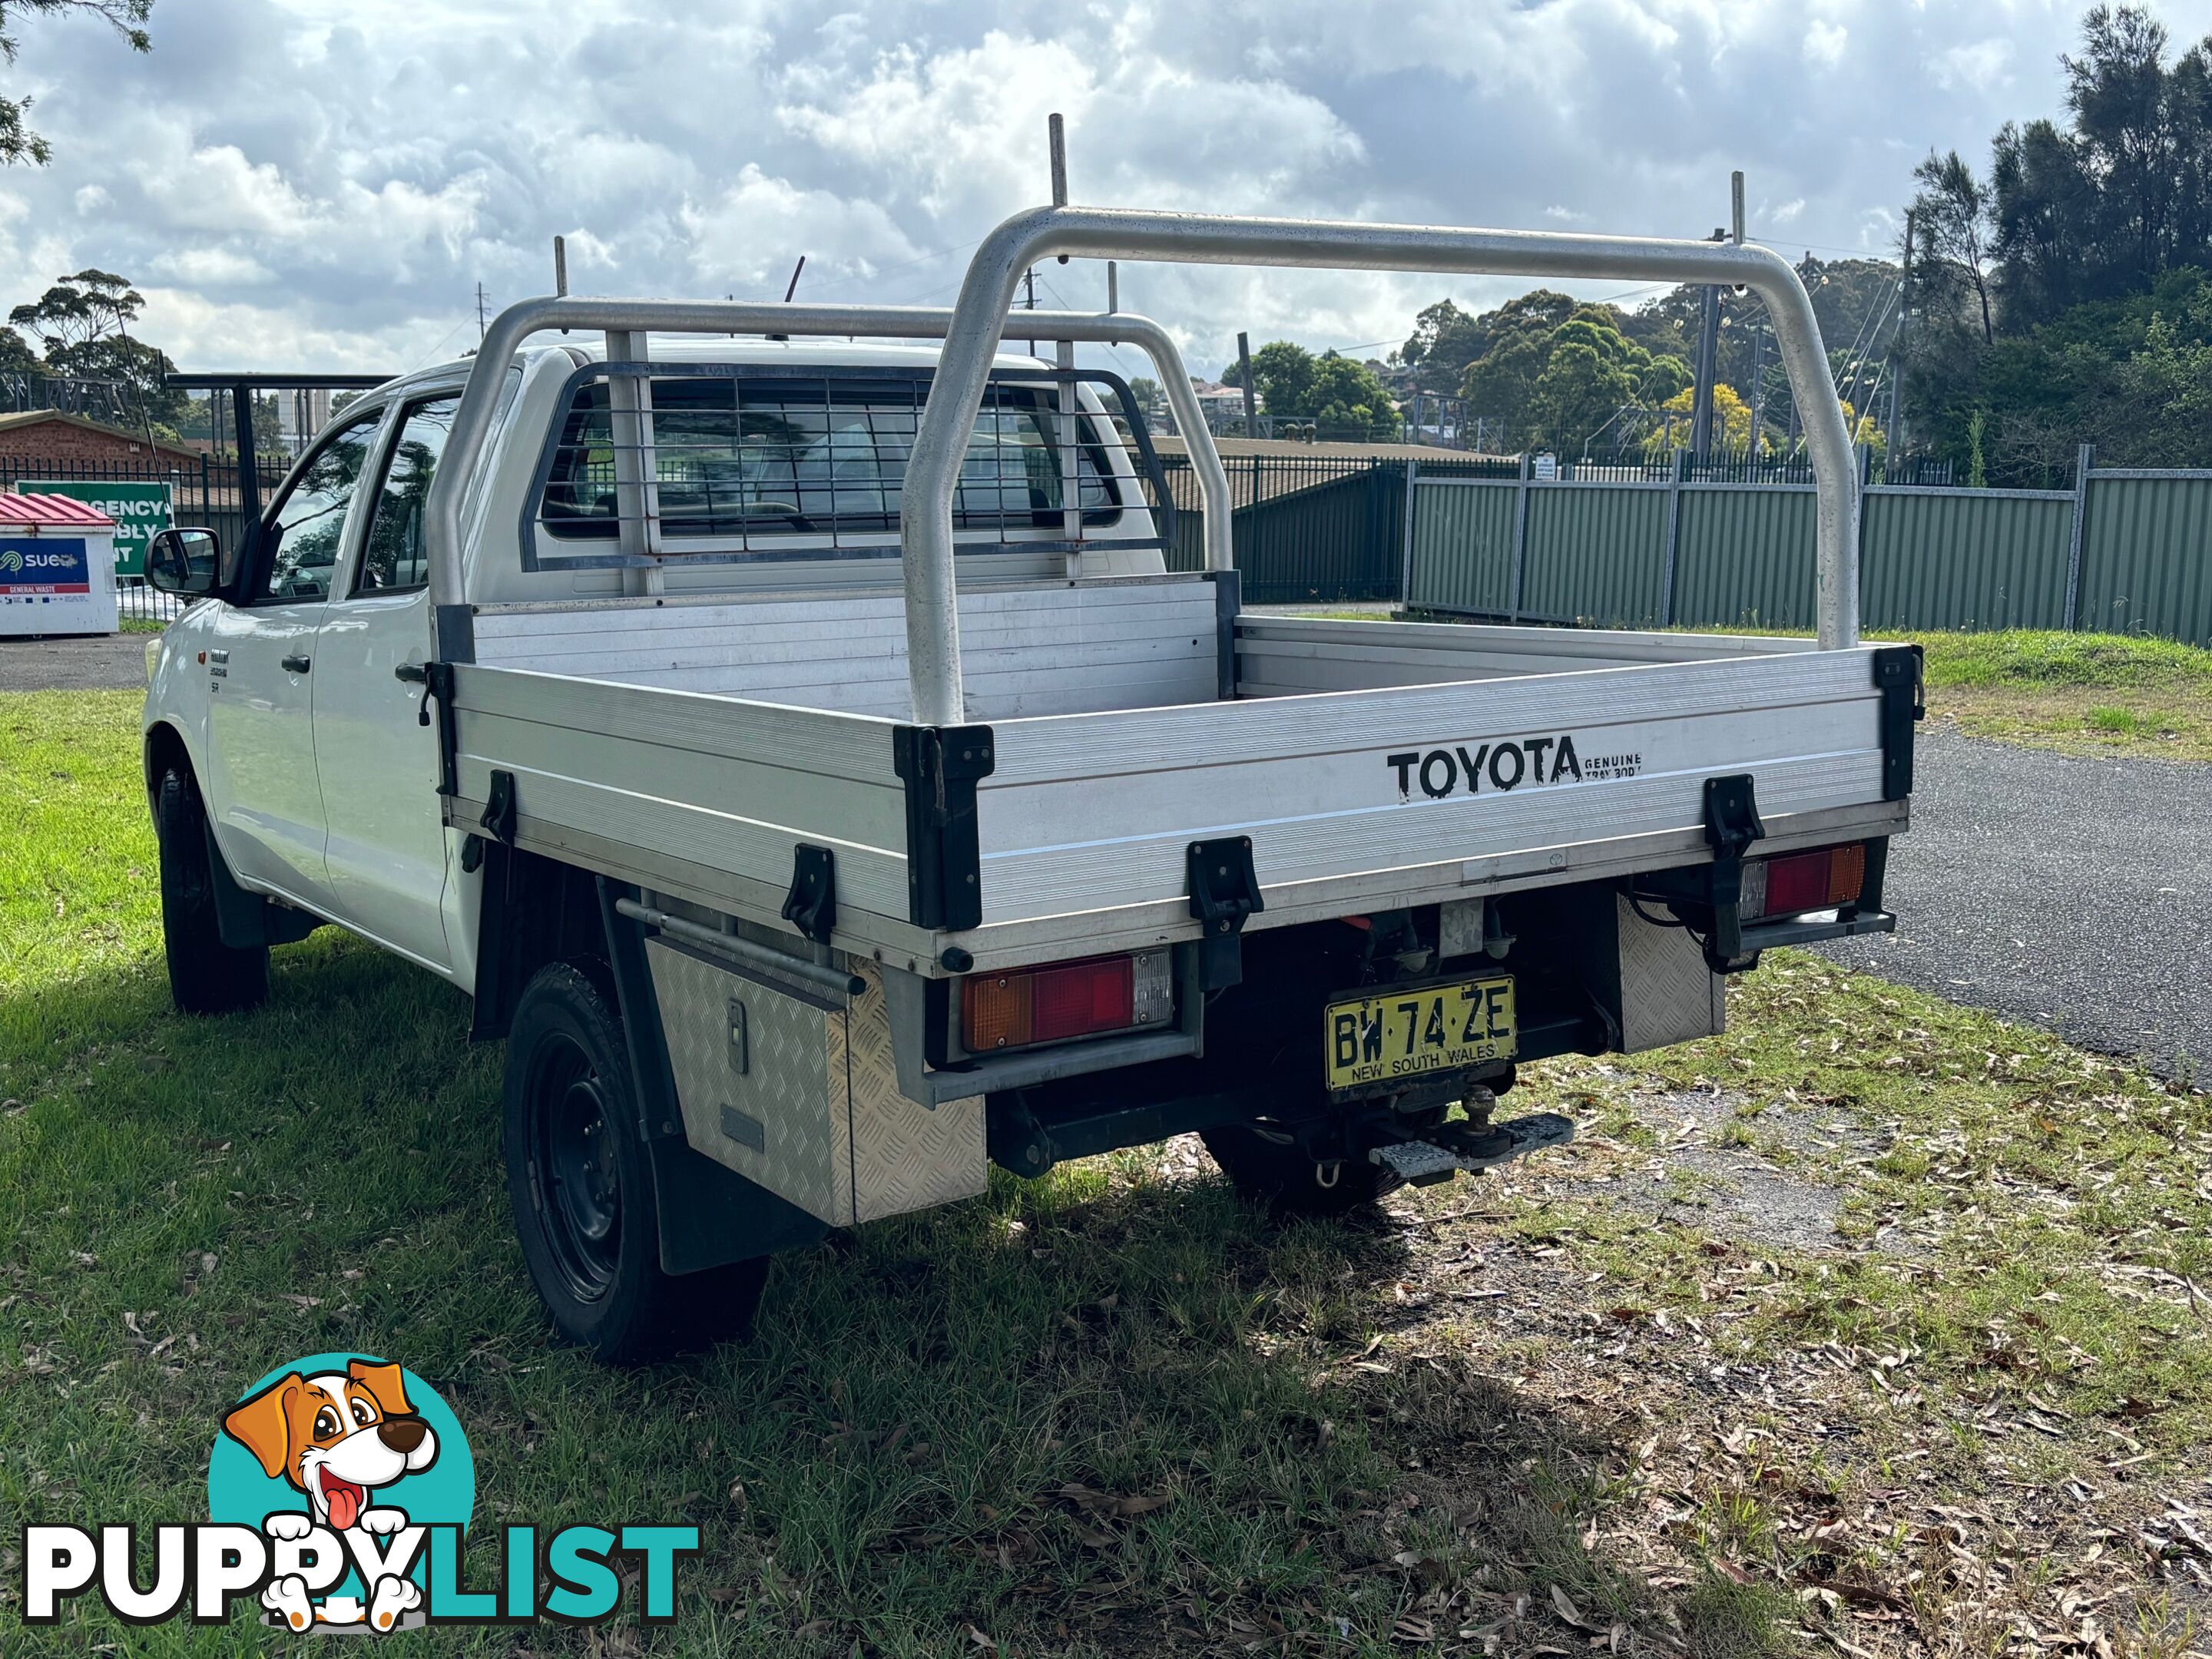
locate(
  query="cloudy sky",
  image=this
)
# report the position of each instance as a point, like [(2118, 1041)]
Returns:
[(322, 185)]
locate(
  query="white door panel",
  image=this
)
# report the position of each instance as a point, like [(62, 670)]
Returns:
[(263, 793), (386, 847), (267, 797)]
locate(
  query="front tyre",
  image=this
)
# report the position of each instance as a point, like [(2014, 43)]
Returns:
[(582, 1189), (206, 976)]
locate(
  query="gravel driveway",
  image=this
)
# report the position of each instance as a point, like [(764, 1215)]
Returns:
[(86, 663), (2076, 894)]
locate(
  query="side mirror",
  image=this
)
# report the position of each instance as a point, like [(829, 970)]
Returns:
[(185, 562)]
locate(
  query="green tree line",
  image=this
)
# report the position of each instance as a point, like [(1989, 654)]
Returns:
[(2061, 295), (1549, 372)]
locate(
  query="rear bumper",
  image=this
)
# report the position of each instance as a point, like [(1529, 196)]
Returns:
[(1810, 930)]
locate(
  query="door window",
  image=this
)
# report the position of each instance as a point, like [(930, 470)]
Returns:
[(303, 531), (393, 559)]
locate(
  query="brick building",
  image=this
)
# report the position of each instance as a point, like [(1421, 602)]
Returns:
[(46, 436)]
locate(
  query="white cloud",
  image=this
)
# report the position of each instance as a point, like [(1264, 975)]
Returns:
[(1976, 65), (314, 181), (758, 224), (212, 267)]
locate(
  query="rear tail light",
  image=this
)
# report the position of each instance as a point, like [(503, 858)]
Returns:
[(1054, 1003), (1804, 881)]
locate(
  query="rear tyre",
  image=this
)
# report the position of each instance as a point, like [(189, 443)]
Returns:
[(582, 1189), (206, 976), (1287, 1180)]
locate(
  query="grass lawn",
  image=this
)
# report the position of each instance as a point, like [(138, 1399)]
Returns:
[(1875, 1327), (2079, 693)]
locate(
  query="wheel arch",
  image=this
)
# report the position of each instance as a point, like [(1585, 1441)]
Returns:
[(164, 746)]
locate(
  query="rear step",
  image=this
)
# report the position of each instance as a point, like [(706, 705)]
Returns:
[(1423, 1162)]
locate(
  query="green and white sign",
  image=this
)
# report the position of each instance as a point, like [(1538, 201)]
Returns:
[(138, 509)]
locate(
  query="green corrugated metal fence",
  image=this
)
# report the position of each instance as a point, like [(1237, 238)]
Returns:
[(1731, 563), (1319, 529), (2146, 542), (1565, 569), (2128, 550), (1461, 556), (1965, 559)]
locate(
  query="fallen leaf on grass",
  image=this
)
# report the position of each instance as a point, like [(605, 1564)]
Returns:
[(1867, 1593), (1106, 1503), (1563, 1605)]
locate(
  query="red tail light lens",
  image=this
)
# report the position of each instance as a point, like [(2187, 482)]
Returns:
[(1054, 1003), (1804, 881), (1083, 998)]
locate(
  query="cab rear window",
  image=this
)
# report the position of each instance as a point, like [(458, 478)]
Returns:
[(774, 456)]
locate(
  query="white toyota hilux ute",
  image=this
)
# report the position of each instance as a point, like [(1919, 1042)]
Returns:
[(799, 747)]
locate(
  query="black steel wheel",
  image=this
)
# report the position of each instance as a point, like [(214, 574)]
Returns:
[(575, 1163), (581, 1187)]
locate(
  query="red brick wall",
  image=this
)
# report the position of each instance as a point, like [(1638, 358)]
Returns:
[(81, 447)]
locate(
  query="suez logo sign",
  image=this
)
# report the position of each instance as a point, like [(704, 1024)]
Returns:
[(338, 1489), (14, 559), (1503, 765)]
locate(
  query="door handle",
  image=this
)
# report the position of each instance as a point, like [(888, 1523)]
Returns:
[(293, 665)]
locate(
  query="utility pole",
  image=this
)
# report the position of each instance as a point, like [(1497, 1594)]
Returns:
[(1758, 386), (1709, 341), (1897, 344), (480, 313), (1244, 373)]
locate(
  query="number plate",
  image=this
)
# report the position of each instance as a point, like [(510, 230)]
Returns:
[(1410, 1032)]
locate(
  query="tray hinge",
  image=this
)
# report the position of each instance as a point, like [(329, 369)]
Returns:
[(1224, 891), (940, 765), (1732, 824), (811, 904)]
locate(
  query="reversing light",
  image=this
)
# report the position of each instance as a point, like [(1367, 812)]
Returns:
[(1804, 881), (1018, 1008)]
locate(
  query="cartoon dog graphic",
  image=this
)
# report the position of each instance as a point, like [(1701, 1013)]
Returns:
[(338, 1437)]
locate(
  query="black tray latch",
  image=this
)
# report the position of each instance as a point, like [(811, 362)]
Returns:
[(811, 904), (1732, 824), (1224, 891), (498, 821)]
